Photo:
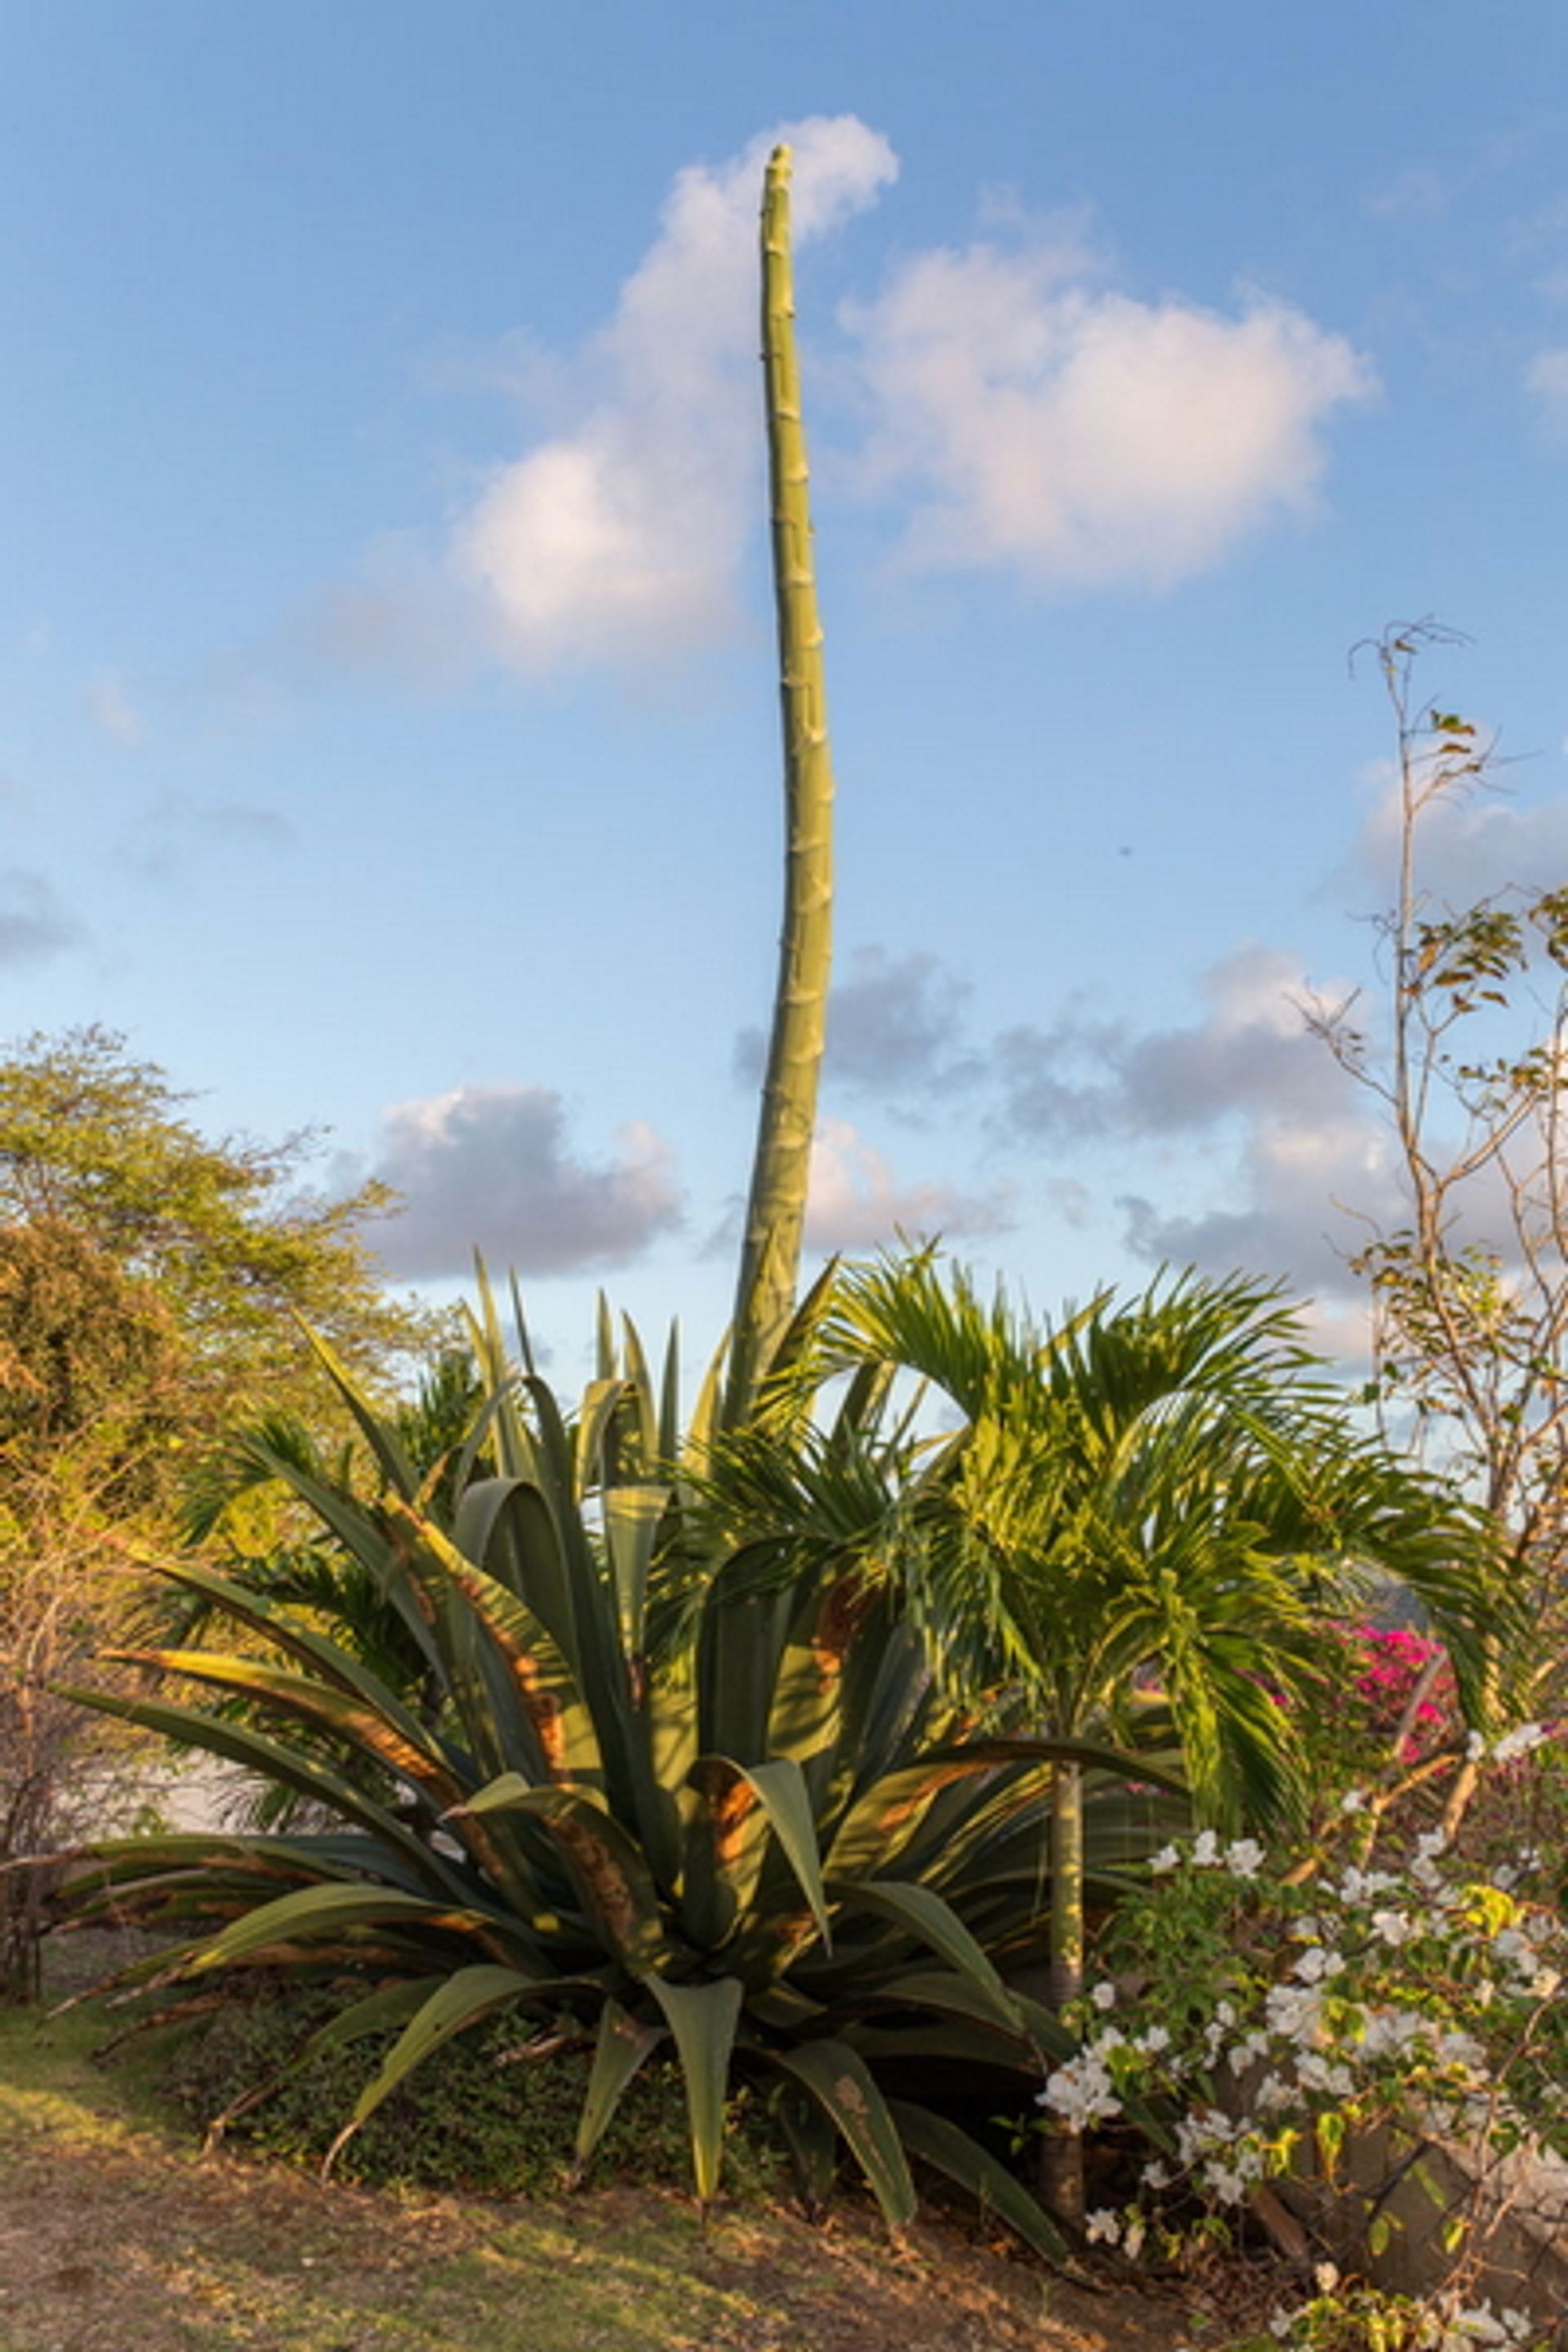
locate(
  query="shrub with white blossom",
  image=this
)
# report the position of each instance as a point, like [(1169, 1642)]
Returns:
[(1252, 2013)]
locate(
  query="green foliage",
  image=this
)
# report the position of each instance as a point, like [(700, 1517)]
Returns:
[(96, 1156), (645, 1784), (493, 2113)]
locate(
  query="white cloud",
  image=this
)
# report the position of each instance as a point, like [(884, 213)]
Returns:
[(622, 537), (1249, 1053), (855, 1202), (490, 1167), (1080, 437), (1470, 844), (1546, 381), (1310, 1193), (111, 710)]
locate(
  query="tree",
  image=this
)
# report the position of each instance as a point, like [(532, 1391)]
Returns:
[(1137, 1535), (776, 1210), (1466, 1059), (149, 1283), (95, 1152)]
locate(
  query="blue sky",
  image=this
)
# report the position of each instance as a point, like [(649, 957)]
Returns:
[(387, 717)]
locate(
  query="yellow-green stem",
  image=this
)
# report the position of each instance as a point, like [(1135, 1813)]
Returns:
[(775, 1213)]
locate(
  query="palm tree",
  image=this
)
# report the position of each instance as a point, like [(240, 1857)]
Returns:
[(1136, 1534)]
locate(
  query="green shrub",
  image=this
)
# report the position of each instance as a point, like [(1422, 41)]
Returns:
[(479, 2117)]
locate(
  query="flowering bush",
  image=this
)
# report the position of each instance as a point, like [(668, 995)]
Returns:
[(1251, 2019), (1388, 1663)]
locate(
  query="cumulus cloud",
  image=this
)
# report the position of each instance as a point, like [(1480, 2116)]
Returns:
[(1282, 1128), (893, 1027), (1310, 1194), (491, 1168), (1249, 1053), (623, 536), (33, 923), (855, 1202), (1082, 438)]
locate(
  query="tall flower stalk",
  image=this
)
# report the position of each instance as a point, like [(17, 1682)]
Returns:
[(775, 1213)]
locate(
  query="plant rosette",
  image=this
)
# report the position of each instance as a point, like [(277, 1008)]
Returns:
[(1248, 2023)]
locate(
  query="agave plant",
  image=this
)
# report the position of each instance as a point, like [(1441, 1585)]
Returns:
[(660, 1786)]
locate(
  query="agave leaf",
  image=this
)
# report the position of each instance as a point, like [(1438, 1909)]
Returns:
[(284, 1630), (623, 2044), (812, 2139), (273, 1760), (886, 1820), (971, 2045), (633, 1516), (840, 2082), (641, 1396), (601, 1402), (736, 1795), (940, 2144), (394, 1464), (607, 1866), (703, 2018), (952, 1994), (560, 1733), (667, 1439), (465, 1998), (315, 1911), (409, 1756)]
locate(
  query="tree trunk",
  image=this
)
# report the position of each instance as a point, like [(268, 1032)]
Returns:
[(775, 1214), (1061, 2150)]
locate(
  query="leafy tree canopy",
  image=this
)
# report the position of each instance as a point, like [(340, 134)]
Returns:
[(117, 1216)]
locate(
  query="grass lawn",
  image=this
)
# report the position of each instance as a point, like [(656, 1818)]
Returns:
[(116, 2235)]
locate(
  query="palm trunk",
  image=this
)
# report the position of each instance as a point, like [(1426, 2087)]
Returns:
[(1061, 2150), (775, 1214)]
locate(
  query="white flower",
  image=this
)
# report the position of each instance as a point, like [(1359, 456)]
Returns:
[(1352, 1801), (1316, 1963), (1102, 2227), (1392, 1927), (1165, 1861), (1326, 2277), (1475, 1747), (1518, 1742), (1157, 2038), (1157, 2175), (1206, 1850), (1243, 1857), (1104, 1996), (1133, 2243), (1082, 2092)]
